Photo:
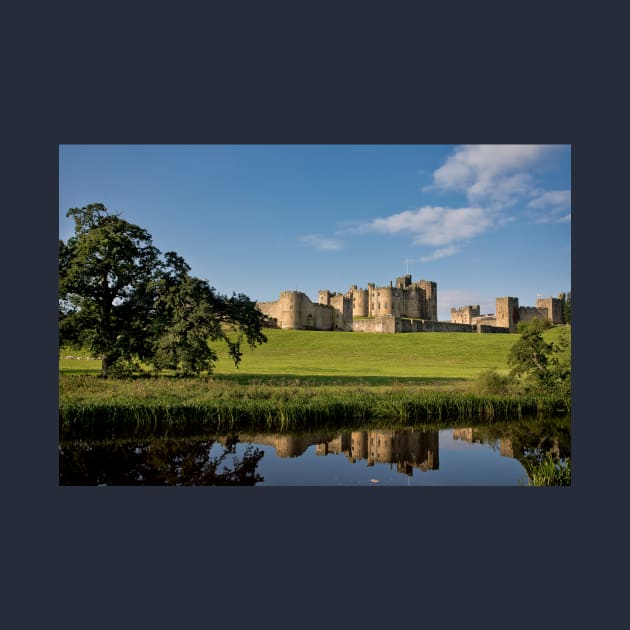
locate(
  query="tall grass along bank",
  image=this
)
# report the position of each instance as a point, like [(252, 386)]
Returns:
[(103, 408)]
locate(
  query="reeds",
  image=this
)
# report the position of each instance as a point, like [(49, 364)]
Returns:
[(95, 408), (550, 471)]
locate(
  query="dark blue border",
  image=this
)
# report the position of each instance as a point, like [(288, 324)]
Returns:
[(139, 557)]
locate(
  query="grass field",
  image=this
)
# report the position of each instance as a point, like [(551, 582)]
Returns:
[(305, 379), (441, 359)]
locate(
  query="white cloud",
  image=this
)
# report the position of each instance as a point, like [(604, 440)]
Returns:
[(552, 206), (552, 198), (440, 253), (321, 242), (495, 176), (474, 164), (432, 225), (565, 218)]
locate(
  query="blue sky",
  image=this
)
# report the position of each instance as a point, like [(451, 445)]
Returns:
[(483, 221)]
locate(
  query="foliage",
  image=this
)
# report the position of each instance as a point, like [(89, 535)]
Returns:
[(492, 382), (161, 461), (566, 308), (94, 407), (549, 471), (122, 299), (542, 365)]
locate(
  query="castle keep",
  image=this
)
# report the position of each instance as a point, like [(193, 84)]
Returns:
[(406, 307), (336, 311)]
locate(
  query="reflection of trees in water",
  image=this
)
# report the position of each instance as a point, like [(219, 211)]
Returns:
[(161, 462), (214, 461), (527, 441)]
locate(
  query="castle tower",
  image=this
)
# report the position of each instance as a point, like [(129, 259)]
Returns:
[(507, 315), (430, 299), (553, 307), (291, 309), (324, 297), (413, 300), (360, 301), (359, 445), (385, 300)]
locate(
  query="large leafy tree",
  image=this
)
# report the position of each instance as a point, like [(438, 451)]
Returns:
[(123, 299)]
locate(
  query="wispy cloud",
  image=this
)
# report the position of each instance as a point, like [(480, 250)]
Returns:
[(316, 241), (440, 253), (553, 198), (432, 226), (553, 206)]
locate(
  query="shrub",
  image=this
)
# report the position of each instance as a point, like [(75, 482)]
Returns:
[(491, 382)]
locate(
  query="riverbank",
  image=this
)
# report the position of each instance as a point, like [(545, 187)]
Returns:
[(94, 407)]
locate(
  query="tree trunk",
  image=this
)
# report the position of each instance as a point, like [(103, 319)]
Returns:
[(106, 364)]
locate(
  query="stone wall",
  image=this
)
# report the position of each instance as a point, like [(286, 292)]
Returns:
[(391, 324), (529, 313), (375, 325), (406, 307), (465, 314), (405, 299), (553, 308), (507, 312), (295, 311)]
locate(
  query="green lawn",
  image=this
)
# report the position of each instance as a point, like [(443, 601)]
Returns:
[(335, 357)]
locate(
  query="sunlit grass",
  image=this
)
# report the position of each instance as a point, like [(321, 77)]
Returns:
[(301, 380), (379, 358)]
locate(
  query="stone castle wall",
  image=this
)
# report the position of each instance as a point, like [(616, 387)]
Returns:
[(336, 311), (406, 307), (295, 311), (509, 313), (464, 314), (391, 324)]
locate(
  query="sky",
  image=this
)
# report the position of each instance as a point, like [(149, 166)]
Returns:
[(482, 221)]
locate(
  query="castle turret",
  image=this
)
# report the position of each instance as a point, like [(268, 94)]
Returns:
[(291, 309)]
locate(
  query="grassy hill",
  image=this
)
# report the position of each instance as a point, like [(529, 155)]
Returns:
[(336, 358)]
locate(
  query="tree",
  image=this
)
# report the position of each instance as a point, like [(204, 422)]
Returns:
[(545, 365), (124, 300), (566, 308)]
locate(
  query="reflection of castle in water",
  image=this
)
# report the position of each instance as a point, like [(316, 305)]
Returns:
[(408, 449), (411, 449)]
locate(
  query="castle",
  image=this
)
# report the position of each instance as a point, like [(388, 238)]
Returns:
[(508, 313), (406, 307), (336, 311)]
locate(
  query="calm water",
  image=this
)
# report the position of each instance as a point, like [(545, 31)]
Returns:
[(408, 457)]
